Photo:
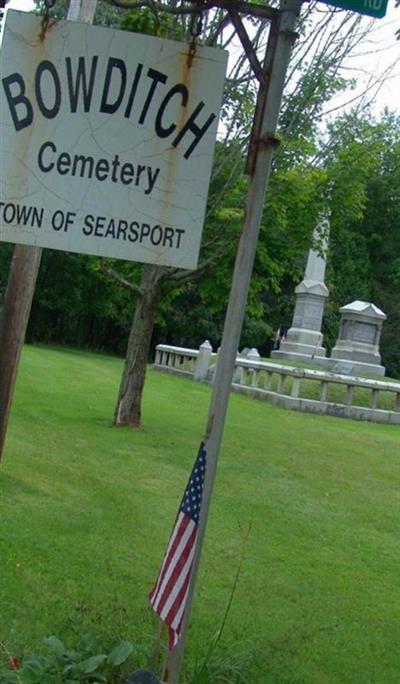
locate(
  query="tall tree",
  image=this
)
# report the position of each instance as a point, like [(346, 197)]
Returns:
[(363, 263), (313, 81), (379, 229)]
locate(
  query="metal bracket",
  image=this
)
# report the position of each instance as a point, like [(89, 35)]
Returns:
[(257, 144)]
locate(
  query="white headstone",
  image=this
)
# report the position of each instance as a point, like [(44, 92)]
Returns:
[(203, 361), (359, 336)]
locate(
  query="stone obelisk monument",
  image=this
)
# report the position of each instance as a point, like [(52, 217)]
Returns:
[(304, 337)]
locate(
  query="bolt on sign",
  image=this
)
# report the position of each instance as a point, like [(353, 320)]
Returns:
[(106, 140)]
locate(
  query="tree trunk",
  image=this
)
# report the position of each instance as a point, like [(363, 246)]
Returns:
[(129, 402)]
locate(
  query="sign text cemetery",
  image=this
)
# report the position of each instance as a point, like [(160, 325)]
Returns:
[(106, 140)]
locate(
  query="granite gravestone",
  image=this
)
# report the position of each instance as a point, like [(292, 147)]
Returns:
[(359, 335), (304, 337)]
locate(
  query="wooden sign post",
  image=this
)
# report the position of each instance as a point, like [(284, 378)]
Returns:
[(21, 286), (107, 142)]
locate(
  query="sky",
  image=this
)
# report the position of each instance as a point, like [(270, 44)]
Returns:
[(380, 54)]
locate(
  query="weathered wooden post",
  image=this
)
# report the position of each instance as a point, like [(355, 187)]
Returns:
[(17, 305), (21, 286)]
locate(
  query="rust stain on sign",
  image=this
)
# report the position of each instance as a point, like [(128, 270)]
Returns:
[(187, 58), (47, 24), (187, 63)]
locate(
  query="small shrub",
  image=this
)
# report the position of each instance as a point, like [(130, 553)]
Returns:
[(85, 665)]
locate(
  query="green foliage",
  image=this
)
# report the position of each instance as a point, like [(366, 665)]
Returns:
[(380, 226), (83, 665), (301, 113), (363, 168), (230, 669), (237, 108), (75, 303), (152, 23), (105, 14)]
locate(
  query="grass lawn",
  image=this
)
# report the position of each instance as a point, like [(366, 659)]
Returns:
[(86, 510)]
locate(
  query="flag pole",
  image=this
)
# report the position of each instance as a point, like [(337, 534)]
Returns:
[(155, 654), (261, 148)]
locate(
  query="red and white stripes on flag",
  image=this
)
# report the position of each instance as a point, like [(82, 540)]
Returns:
[(169, 595)]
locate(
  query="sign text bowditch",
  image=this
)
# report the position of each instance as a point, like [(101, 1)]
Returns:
[(106, 140)]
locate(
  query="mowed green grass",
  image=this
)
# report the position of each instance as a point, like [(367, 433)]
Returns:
[(86, 511)]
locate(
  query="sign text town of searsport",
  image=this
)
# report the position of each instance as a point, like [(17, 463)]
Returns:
[(106, 140)]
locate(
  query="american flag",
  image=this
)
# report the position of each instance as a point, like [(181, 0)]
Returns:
[(169, 595)]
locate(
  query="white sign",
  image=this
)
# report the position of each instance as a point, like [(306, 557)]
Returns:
[(106, 140)]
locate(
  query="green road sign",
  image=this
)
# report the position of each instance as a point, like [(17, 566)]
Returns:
[(374, 8)]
